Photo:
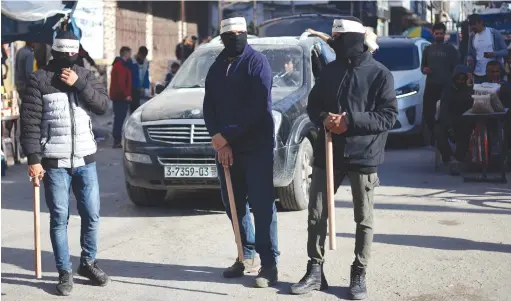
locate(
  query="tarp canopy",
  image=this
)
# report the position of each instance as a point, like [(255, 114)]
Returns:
[(33, 21)]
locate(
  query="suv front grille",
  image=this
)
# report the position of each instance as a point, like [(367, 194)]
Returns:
[(187, 159), (179, 133)]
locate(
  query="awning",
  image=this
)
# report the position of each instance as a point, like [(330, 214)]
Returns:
[(33, 21)]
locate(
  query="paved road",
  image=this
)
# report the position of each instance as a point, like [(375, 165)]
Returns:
[(437, 239)]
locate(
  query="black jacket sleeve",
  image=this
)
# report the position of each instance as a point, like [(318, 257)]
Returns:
[(31, 115), (424, 62), (208, 109), (384, 115), (92, 93), (315, 104)]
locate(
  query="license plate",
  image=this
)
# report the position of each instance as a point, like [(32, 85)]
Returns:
[(190, 171)]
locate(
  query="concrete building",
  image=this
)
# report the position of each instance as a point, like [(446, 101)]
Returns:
[(160, 26)]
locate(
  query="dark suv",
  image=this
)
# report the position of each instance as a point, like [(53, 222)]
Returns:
[(166, 144)]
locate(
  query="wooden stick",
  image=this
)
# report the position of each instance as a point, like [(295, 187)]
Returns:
[(234, 213), (330, 190), (37, 236)]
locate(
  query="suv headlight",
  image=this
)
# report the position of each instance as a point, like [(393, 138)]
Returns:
[(408, 90), (277, 119), (133, 127)]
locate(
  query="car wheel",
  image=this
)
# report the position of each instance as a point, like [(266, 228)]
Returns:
[(144, 197), (295, 196)]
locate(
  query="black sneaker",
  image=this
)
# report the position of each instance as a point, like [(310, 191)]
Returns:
[(117, 145), (314, 279), (238, 269), (268, 276), (92, 272), (357, 290), (65, 285)]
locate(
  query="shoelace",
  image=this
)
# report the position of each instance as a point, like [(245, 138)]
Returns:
[(357, 280), (95, 270), (63, 276)]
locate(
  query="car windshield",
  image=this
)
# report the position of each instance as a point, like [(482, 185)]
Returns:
[(398, 56), (295, 27), (285, 61)]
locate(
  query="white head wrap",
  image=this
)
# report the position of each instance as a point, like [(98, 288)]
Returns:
[(343, 26), (66, 45), (233, 24)]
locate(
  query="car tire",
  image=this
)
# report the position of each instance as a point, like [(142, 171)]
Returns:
[(295, 196), (144, 197)]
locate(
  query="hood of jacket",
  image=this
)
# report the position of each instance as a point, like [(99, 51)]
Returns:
[(117, 59)]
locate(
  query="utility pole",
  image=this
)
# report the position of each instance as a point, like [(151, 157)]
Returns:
[(183, 31), (352, 9), (254, 17), (292, 7), (220, 14)]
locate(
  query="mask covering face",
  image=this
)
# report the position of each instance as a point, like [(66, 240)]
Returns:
[(349, 44), (234, 43), (63, 60)]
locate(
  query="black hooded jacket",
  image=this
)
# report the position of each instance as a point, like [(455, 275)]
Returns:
[(455, 100), (364, 89)]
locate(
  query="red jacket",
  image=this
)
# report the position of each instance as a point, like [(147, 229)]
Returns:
[(120, 80)]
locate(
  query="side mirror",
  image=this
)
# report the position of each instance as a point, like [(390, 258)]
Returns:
[(159, 88)]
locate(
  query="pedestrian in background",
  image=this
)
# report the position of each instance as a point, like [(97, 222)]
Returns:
[(237, 111), (120, 92), (355, 99), (139, 78), (184, 49), (485, 44), (438, 63), (174, 67), (24, 67), (56, 136)]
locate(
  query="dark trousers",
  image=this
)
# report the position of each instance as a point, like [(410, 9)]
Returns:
[(252, 182), (83, 181), (432, 94), (362, 190), (120, 111), (461, 133), (135, 99)]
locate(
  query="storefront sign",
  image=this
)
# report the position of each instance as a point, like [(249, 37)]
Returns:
[(89, 17)]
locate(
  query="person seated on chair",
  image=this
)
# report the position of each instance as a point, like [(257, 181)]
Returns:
[(493, 75), (456, 99)]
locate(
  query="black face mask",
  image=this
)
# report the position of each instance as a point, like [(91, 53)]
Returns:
[(63, 60), (234, 43), (348, 45)]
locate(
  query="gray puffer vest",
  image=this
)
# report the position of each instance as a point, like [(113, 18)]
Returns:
[(66, 128), (56, 129)]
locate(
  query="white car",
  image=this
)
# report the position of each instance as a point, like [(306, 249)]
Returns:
[(403, 56)]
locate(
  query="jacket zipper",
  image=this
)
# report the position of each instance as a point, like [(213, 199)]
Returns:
[(72, 115), (228, 67)]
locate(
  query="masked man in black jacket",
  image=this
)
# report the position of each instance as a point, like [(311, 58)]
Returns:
[(355, 100)]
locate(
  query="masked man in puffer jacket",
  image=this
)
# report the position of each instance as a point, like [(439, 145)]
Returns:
[(56, 136), (355, 100)]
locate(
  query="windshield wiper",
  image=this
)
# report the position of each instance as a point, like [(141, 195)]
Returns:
[(189, 87)]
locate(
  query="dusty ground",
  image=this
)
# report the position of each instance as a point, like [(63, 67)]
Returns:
[(437, 239)]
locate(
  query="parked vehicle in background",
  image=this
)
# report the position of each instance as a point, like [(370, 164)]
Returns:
[(402, 56), (166, 144), (297, 24)]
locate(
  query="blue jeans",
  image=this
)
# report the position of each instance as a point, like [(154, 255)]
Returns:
[(252, 182), (121, 108), (58, 183)]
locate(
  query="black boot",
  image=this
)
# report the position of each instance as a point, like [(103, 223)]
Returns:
[(93, 273), (358, 290), (314, 279), (268, 276), (65, 285)]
